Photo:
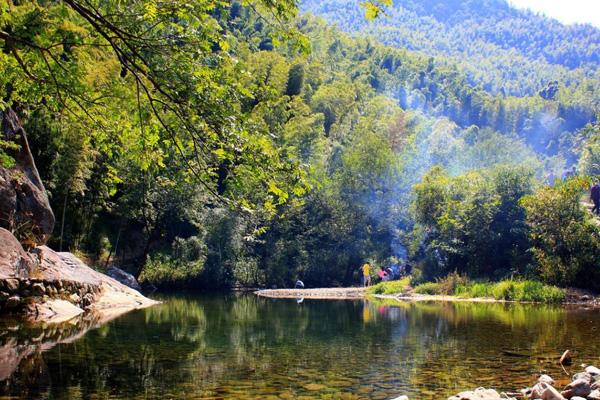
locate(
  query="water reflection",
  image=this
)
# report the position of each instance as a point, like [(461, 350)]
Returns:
[(247, 347)]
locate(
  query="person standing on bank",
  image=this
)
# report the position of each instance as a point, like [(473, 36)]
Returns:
[(366, 274)]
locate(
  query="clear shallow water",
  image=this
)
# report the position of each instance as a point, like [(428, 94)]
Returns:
[(244, 347)]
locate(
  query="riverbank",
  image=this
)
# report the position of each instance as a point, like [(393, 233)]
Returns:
[(44, 286), (572, 296), (348, 293)]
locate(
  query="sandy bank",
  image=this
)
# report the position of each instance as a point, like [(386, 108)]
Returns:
[(353, 293), (350, 293), (574, 297)]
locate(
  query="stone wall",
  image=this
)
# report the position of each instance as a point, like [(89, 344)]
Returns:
[(17, 295)]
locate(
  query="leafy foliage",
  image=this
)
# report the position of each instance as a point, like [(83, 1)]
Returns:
[(565, 241), (236, 143)]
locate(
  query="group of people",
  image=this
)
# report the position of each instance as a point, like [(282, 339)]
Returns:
[(390, 273)]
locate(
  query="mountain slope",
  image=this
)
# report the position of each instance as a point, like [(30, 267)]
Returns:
[(501, 48)]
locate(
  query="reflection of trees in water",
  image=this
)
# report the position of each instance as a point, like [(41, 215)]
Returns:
[(502, 345), (236, 346)]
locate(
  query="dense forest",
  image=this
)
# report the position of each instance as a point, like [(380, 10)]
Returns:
[(217, 144), (498, 47)]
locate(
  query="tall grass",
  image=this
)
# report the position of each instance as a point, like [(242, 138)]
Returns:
[(512, 290), (460, 286), (390, 287)]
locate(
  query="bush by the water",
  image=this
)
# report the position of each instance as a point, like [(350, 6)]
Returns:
[(512, 290), (442, 286), (565, 242), (496, 223), (433, 288), (390, 287), (525, 290)]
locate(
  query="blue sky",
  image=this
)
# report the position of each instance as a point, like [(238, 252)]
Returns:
[(566, 11)]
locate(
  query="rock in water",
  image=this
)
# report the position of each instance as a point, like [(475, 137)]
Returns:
[(580, 387), (582, 375), (478, 394), (595, 395), (544, 391), (546, 379), (593, 371), (124, 277), (23, 200)]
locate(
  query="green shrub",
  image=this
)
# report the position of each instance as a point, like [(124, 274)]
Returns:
[(512, 290), (390, 287), (163, 270), (565, 242), (429, 288), (473, 290)]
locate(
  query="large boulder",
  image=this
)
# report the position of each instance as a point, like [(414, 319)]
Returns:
[(14, 261), (124, 277), (24, 206), (579, 387)]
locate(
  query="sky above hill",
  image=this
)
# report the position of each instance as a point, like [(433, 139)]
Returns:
[(568, 12)]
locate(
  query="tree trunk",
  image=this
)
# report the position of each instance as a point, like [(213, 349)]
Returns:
[(116, 248), (62, 222)]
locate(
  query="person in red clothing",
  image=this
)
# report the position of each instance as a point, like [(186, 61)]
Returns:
[(595, 197)]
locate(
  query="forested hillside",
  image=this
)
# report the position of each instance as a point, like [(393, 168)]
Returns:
[(242, 151), (500, 48)]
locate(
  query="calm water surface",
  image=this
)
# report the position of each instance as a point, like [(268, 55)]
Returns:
[(244, 347)]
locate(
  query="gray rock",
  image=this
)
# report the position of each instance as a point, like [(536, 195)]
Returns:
[(12, 285), (87, 300), (579, 387), (401, 398), (12, 302), (478, 394), (582, 375), (124, 277), (593, 371), (545, 392), (74, 298), (38, 289), (546, 379), (23, 198), (594, 395)]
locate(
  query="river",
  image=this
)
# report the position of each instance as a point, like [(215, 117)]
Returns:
[(238, 346)]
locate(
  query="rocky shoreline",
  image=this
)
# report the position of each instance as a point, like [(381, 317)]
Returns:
[(584, 385), (46, 286), (35, 281)]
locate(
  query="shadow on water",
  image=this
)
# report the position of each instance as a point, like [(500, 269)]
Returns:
[(241, 346)]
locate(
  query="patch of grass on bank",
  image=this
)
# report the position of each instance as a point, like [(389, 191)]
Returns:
[(162, 270), (512, 290), (431, 288), (389, 287)]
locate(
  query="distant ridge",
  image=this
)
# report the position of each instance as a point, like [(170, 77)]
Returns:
[(504, 49)]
